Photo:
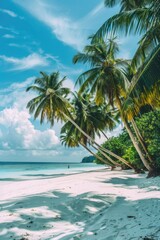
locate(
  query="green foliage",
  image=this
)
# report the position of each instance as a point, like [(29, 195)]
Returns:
[(149, 126), (89, 159)]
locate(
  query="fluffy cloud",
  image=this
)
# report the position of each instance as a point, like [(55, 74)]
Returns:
[(31, 61), (17, 132), (15, 95), (22, 139)]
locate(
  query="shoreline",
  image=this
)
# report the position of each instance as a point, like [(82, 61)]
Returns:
[(96, 205)]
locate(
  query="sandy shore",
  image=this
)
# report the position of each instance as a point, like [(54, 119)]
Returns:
[(100, 205)]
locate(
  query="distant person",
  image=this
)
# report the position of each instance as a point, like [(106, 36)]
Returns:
[(68, 166)]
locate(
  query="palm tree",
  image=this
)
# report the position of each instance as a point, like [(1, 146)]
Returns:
[(141, 17), (69, 137), (93, 121), (107, 79), (138, 17), (51, 103)]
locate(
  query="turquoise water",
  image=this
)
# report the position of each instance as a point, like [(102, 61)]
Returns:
[(10, 171)]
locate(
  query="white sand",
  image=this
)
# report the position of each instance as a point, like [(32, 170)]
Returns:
[(101, 205)]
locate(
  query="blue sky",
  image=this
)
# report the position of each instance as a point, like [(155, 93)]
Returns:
[(42, 35)]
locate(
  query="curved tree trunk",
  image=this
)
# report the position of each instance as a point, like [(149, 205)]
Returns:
[(95, 155), (141, 140), (104, 135), (135, 144), (139, 151), (114, 155), (110, 159), (100, 147)]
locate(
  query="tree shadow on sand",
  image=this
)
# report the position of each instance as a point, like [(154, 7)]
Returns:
[(60, 215), (53, 213)]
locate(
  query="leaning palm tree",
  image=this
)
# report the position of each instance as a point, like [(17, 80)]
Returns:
[(70, 137), (92, 121), (52, 103), (107, 79)]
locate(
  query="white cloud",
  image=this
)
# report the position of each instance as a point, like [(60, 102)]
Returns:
[(25, 63), (97, 9), (17, 132), (65, 29), (9, 29), (10, 13), (68, 30), (69, 84), (8, 36), (15, 95), (51, 153)]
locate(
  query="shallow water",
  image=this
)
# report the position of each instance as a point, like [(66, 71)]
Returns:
[(9, 171)]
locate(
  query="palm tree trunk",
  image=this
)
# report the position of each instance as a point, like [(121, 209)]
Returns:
[(106, 156), (139, 151), (141, 140), (95, 155), (105, 135), (135, 144), (114, 155), (100, 147)]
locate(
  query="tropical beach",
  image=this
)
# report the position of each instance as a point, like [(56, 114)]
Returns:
[(98, 205), (80, 120)]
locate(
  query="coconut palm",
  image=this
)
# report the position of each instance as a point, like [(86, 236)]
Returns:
[(71, 138), (107, 79), (51, 103), (141, 17), (138, 17), (91, 120)]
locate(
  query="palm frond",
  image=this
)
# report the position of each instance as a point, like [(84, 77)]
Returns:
[(145, 82), (33, 103), (111, 3), (148, 74), (134, 21), (146, 45), (90, 75), (35, 88)]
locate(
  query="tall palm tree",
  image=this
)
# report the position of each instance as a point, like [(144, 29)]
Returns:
[(107, 79)]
